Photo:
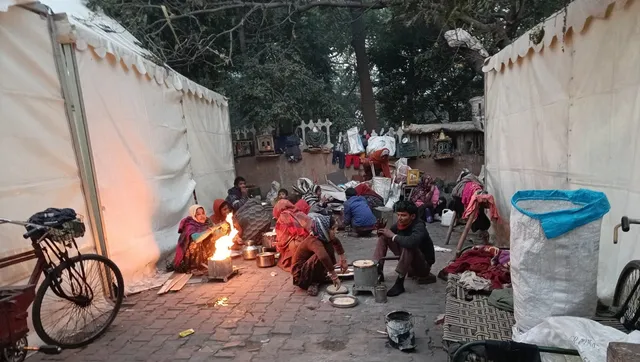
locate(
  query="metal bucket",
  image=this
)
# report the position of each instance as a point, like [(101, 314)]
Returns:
[(365, 276), (380, 293), (400, 330)]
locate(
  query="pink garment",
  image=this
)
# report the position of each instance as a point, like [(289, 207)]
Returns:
[(469, 190), (435, 196)]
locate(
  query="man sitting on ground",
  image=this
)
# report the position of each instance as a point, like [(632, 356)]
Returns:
[(358, 214), (410, 240), (238, 194)]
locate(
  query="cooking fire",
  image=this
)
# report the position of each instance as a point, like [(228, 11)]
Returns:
[(220, 264)]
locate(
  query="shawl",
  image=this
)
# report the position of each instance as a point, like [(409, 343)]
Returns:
[(303, 206), (423, 193), (291, 224), (188, 226), (365, 190), (308, 190), (459, 188), (320, 227)]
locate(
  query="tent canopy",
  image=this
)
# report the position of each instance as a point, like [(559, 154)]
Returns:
[(155, 136), (567, 115)]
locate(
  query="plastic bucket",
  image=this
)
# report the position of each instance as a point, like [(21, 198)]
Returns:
[(400, 330), (447, 217)]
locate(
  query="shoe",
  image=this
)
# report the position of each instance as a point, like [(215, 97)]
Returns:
[(429, 279), (397, 288)]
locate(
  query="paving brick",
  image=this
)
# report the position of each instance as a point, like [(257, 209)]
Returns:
[(293, 345)]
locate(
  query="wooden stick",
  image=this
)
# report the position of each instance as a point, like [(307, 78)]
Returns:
[(465, 233), (451, 226)]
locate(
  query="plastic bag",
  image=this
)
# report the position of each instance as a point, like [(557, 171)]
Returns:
[(379, 142), (555, 238), (588, 337), (355, 142), (381, 185), (402, 169)]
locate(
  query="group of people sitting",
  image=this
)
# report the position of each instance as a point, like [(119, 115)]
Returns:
[(306, 233)]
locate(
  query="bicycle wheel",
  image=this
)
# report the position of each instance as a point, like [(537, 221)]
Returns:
[(72, 307), (629, 277)]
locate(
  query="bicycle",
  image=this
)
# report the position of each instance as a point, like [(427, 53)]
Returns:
[(80, 282)]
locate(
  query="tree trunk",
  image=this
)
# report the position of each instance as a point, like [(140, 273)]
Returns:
[(367, 100)]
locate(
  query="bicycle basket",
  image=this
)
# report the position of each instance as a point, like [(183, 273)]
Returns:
[(70, 230)]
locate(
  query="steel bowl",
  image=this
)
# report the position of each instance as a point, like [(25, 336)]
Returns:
[(266, 260)]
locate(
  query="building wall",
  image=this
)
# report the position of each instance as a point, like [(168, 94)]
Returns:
[(448, 170), (262, 171)]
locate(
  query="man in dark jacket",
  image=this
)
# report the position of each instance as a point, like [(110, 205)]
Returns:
[(410, 240), (238, 194), (358, 214)]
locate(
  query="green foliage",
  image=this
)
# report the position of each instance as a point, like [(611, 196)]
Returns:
[(280, 65)]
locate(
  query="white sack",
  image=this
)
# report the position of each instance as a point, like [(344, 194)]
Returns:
[(588, 337), (355, 142), (376, 143), (551, 277)]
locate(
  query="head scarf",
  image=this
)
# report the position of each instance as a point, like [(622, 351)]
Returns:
[(193, 210), (291, 223), (217, 216), (365, 190), (321, 226), (273, 193), (303, 206), (308, 190)]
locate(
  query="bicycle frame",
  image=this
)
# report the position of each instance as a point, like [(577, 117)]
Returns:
[(36, 253), (44, 264)]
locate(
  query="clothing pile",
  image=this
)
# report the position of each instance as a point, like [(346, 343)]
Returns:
[(488, 262)]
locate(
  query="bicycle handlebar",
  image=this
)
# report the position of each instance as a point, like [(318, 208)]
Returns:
[(625, 224)]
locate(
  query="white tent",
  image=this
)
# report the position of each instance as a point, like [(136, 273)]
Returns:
[(154, 136), (565, 113)]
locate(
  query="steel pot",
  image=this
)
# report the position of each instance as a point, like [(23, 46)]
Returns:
[(250, 252), (266, 260)]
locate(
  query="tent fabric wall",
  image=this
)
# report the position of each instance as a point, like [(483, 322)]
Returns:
[(38, 163), (209, 139), (139, 116), (569, 117), (139, 147)]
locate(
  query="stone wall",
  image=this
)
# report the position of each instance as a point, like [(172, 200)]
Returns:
[(262, 171)]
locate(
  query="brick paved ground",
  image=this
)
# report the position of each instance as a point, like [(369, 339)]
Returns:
[(268, 319)]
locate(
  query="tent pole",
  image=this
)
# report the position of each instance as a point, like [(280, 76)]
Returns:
[(65, 60)]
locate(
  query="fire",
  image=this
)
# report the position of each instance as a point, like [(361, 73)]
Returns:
[(224, 243)]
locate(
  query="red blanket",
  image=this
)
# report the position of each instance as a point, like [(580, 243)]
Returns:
[(478, 260)]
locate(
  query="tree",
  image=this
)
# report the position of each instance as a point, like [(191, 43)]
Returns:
[(250, 49)]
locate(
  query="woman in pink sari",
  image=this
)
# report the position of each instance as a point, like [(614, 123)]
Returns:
[(292, 227)]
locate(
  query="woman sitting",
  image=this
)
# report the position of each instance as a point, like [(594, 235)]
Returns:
[(311, 194), (426, 196), (373, 199), (315, 256), (292, 226), (221, 209), (191, 252)]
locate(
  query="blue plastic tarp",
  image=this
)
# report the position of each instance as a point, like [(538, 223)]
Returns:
[(593, 205)]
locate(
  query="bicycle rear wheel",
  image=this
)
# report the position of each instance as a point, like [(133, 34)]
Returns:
[(629, 277), (72, 307)]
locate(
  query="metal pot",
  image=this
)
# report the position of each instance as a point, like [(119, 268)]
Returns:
[(266, 260), (250, 252)]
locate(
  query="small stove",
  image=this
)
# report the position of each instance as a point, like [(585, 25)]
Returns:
[(221, 270)]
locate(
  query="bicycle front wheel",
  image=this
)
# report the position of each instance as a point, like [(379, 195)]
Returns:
[(73, 307)]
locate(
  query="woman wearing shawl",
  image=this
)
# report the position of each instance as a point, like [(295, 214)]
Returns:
[(191, 253), (311, 194), (292, 226), (315, 257), (426, 196), (221, 209), (373, 199)]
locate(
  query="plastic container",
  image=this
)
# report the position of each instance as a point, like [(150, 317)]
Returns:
[(447, 217)]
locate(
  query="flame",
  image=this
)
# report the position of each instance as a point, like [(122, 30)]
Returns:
[(224, 243)]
